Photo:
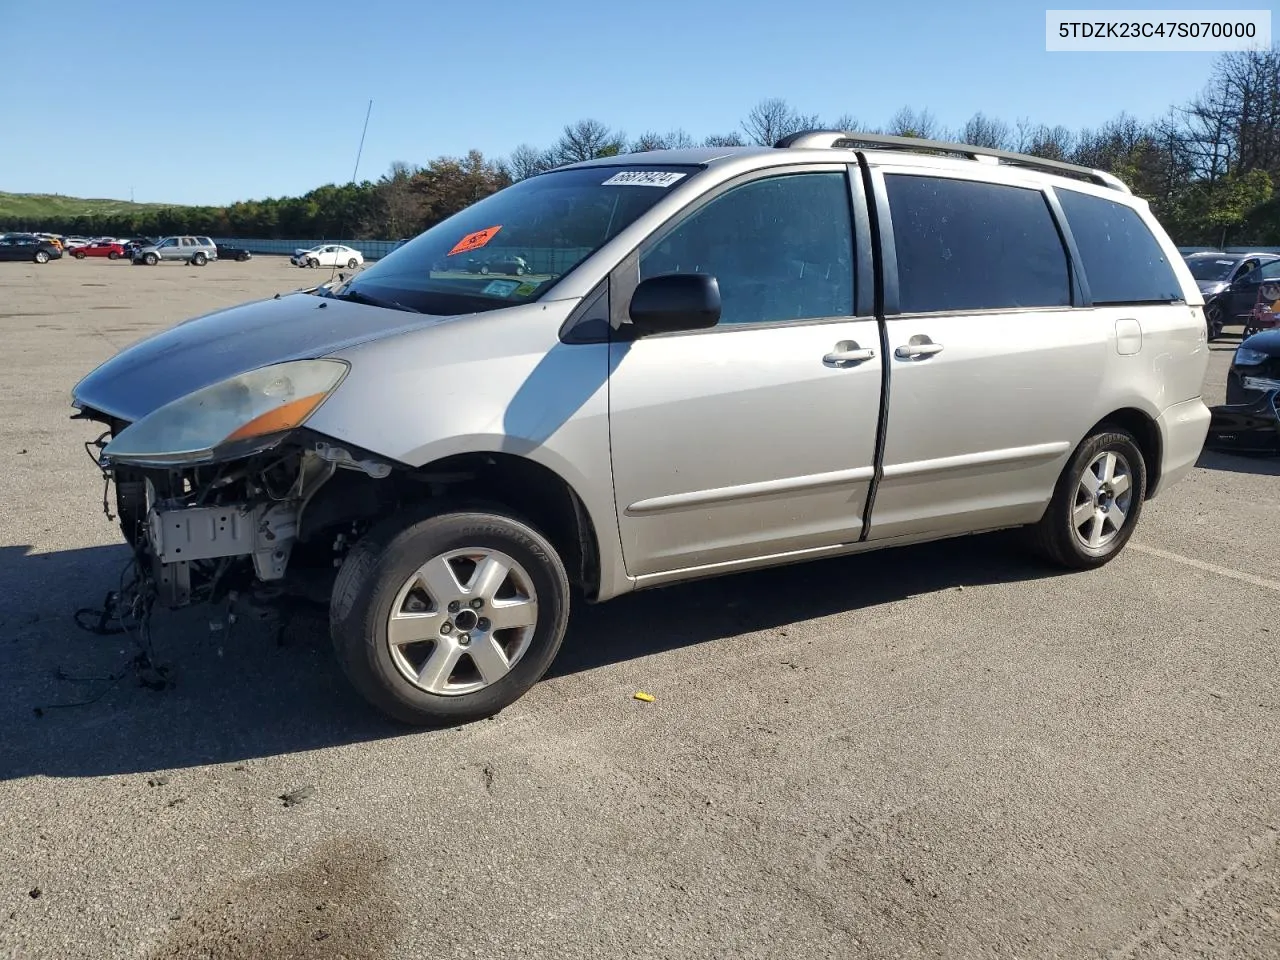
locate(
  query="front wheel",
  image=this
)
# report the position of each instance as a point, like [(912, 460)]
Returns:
[(79, 254), (151, 259), (448, 618), (312, 262), (1096, 503), (1214, 320), (242, 257)]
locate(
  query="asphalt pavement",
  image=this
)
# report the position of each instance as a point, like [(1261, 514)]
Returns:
[(936, 751)]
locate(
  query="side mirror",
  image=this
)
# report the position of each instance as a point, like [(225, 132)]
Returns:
[(675, 301)]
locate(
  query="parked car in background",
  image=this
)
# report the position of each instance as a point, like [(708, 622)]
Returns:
[(18, 246), (98, 248), (1226, 280), (239, 254), (757, 357), (193, 250), (328, 255), (1249, 421)]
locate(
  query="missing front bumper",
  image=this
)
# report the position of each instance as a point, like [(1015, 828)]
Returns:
[(180, 536)]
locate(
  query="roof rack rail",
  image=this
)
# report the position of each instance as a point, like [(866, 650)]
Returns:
[(845, 139)]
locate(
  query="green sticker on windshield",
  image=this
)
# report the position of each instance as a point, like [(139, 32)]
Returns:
[(500, 288), (526, 288)]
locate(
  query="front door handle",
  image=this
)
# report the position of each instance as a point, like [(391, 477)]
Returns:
[(848, 351), (918, 346)]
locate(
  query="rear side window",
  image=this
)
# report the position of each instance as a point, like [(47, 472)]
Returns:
[(1122, 260), (965, 245)]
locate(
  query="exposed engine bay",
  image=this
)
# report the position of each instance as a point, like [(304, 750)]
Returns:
[(200, 532)]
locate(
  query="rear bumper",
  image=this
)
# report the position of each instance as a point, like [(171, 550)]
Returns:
[(1183, 428)]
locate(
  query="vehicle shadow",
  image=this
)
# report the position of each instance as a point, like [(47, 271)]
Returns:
[(1262, 465), (230, 698)]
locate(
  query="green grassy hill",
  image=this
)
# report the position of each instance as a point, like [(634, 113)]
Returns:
[(48, 206)]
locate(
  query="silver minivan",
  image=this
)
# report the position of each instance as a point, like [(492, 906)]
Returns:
[(719, 359)]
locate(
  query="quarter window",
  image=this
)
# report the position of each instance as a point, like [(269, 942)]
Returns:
[(1122, 260), (967, 245), (781, 249)]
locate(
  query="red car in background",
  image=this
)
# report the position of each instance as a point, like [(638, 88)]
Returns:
[(112, 251)]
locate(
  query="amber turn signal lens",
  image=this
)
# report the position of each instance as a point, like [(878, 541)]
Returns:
[(282, 418)]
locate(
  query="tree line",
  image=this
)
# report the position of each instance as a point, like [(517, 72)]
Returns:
[(1208, 167)]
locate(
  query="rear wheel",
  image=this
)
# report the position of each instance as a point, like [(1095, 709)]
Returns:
[(41, 257), (1096, 503), (199, 259), (352, 263), (113, 255), (448, 618), (242, 256)]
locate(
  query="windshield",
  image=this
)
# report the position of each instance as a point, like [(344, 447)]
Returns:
[(511, 247), (1211, 268)]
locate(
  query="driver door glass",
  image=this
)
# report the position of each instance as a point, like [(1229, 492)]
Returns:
[(781, 249)]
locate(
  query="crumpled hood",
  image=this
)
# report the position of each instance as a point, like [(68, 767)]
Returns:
[(213, 347), (1268, 341)]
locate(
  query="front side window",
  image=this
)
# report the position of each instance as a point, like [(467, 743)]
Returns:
[(781, 249), (1122, 260), (512, 247), (169, 243), (968, 245)]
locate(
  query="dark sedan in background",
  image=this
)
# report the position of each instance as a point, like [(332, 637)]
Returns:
[(1229, 283), (16, 246), (239, 254), (1249, 422)]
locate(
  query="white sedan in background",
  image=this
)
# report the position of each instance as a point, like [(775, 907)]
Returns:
[(328, 255)]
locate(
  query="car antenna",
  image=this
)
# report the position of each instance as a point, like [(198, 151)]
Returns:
[(355, 170)]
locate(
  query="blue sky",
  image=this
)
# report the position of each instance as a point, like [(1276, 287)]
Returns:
[(224, 100)]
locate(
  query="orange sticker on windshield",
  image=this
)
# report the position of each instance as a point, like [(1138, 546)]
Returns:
[(474, 241)]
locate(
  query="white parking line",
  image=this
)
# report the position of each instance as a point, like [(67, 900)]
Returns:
[(1209, 567)]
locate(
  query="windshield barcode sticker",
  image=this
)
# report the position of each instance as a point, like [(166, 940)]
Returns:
[(643, 178)]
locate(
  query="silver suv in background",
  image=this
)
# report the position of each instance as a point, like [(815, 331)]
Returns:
[(730, 358), (193, 250)]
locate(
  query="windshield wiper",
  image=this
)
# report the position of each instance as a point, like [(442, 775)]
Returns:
[(359, 296)]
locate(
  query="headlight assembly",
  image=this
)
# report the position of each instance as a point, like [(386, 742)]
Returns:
[(1246, 357), (234, 418)]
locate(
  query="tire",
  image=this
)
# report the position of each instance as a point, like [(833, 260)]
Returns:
[(312, 262), (519, 271), (1214, 320), (484, 269), (79, 255), (199, 259), (41, 257), (1057, 537), (150, 259), (377, 580), (242, 256), (113, 255), (352, 263)]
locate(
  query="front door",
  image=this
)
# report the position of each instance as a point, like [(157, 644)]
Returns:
[(757, 437)]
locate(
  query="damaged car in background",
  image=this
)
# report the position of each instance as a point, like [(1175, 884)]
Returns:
[(1248, 423), (702, 382)]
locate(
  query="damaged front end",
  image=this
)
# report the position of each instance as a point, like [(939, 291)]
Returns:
[(214, 490), (1251, 427), (256, 525)]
